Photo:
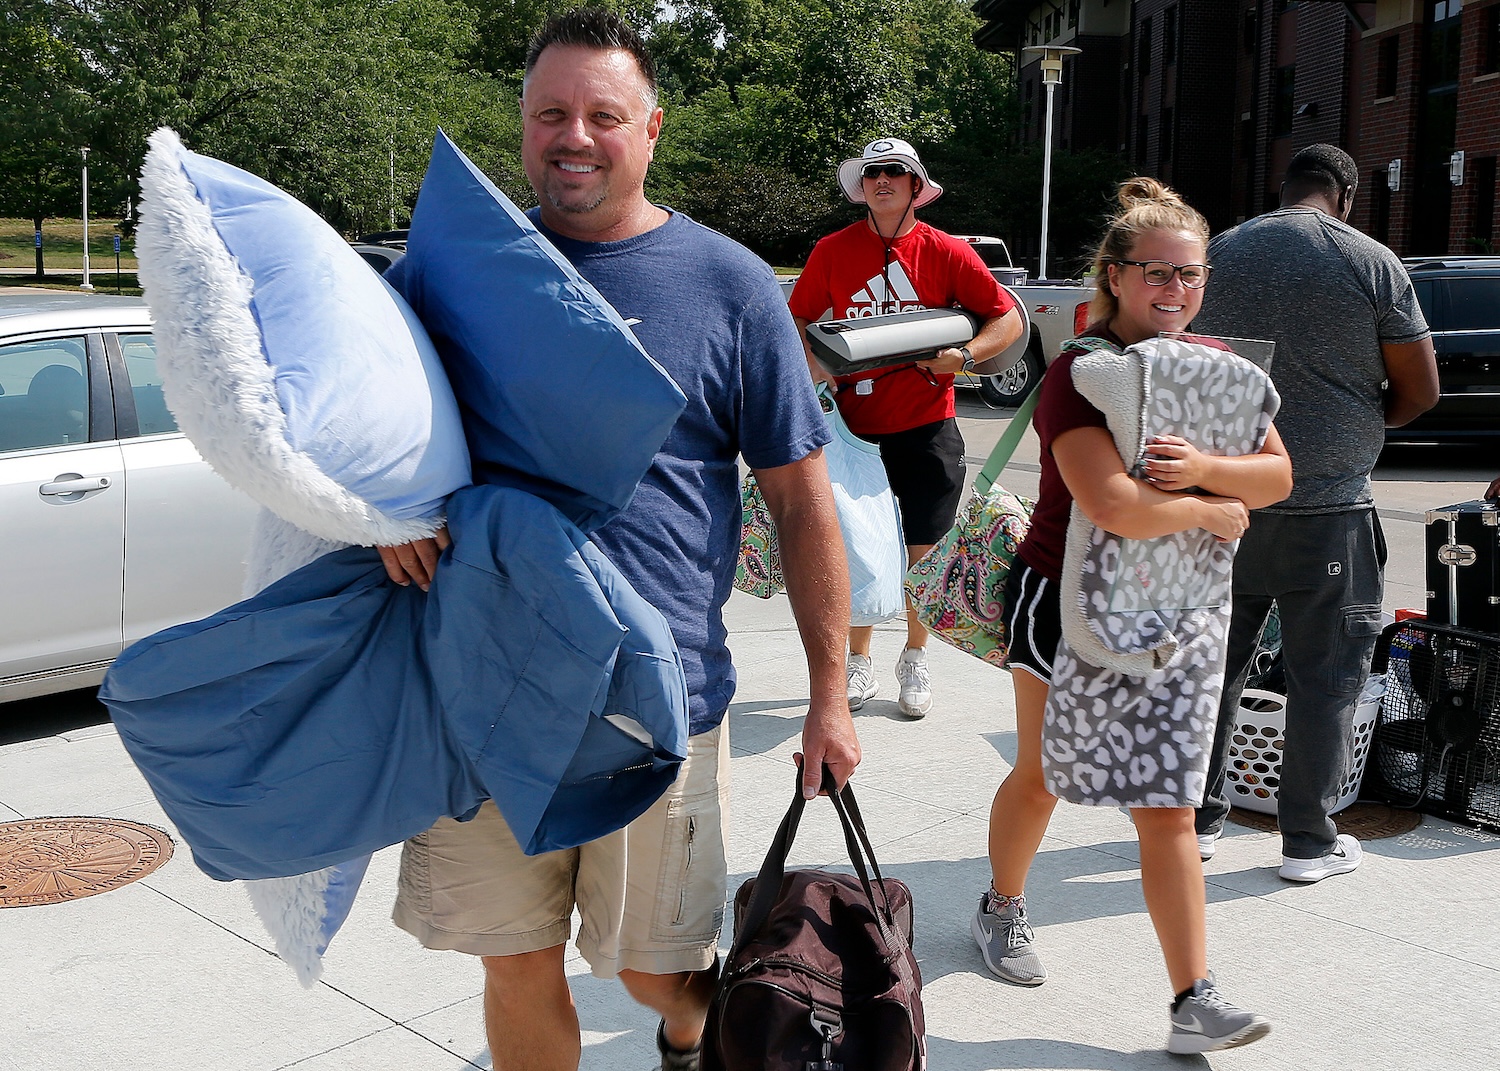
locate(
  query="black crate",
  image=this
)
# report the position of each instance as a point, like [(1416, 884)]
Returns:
[(1437, 740), (1463, 565)]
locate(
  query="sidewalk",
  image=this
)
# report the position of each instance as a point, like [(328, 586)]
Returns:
[(1396, 966)]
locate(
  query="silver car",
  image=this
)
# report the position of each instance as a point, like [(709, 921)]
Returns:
[(111, 524)]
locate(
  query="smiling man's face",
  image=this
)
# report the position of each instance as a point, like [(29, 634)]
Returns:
[(588, 136)]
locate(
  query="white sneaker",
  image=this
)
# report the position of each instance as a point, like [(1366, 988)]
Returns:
[(862, 683), (1344, 857), (915, 699), (1208, 844)]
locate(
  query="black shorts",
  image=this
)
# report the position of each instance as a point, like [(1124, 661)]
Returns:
[(925, 466), (1033, 620)]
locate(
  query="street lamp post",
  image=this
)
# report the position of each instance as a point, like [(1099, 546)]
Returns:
[(1052, 65), (86, 284)]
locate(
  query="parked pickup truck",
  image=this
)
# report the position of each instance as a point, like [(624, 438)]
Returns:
[(1058, 311)]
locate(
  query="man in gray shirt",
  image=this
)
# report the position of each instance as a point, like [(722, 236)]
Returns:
[(1353, 357)]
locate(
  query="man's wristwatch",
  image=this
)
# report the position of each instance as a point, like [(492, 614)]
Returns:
[(968, 358)]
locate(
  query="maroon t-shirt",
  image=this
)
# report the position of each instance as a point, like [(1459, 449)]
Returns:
[(1061, 409)]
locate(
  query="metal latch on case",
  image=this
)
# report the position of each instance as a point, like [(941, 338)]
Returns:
[(1457, 554)]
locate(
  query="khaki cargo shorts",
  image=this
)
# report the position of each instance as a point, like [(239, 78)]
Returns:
[(650, 897)]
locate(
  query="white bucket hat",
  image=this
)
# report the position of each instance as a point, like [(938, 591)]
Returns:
[(880, 151)]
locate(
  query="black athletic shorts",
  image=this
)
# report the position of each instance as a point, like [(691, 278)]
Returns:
[(925, 466), (1033, 620)]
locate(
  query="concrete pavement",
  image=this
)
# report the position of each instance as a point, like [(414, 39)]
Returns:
[(1396, 966)]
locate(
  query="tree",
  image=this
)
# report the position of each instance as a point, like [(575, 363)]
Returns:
[(47, 118), (337, 101)]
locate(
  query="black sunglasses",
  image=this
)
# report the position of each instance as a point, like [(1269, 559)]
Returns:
[(890, 170)]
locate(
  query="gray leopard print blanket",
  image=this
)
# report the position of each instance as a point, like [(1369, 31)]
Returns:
[(1140, 667)]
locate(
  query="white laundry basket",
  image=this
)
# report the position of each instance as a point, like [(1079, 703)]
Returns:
[(1253, 772)]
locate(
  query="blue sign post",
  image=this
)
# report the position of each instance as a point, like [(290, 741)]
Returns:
[(117, 264)]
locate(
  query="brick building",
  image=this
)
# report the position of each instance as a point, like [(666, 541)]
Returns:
[(1215, 96)]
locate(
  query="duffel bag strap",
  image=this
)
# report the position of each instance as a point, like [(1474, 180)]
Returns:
[(773, 870)]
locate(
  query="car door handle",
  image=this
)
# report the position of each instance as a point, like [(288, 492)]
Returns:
[(73, 484)]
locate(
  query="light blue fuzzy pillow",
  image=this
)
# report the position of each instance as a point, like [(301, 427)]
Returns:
[(297, 372)]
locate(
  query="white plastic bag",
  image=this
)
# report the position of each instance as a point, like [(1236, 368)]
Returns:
[(871, 524)]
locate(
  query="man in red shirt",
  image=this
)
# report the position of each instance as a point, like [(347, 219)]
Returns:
[(892, 262)]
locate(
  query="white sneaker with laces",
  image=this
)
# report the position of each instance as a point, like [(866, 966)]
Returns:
[(862, 684), (1208, 844), (1344, 857), (915, 699)]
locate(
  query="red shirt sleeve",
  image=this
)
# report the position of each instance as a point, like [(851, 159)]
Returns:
[(812, 293), (973, 284)]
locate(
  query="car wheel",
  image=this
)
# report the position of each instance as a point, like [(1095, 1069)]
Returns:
[(1010, 388)]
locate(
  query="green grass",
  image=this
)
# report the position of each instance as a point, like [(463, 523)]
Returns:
[(103, 282), (62, 246)]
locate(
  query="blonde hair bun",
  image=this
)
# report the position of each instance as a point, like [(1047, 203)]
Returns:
[(1142, 189)]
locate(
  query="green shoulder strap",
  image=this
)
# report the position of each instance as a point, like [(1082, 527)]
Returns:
[(1000, 455)]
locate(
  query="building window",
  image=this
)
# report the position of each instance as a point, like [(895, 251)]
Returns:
[(1142, 125), (1169, 37), (1251, 33), (1443, 42), (1484, 204), (1166, 136), (1143, 49), (1073, 14), (1388, 64), (1489, 40), (1282, 104)]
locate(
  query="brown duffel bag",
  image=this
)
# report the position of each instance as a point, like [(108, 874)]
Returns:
[(821, 976)]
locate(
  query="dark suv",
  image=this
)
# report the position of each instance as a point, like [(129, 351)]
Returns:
[(1460, 297)]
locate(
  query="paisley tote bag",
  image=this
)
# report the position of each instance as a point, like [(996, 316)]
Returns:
[(958, 586), (759, 570)]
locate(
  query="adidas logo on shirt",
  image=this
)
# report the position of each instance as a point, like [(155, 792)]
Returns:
[(873, 300)]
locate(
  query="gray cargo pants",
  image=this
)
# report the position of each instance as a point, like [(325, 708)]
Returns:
[(1324, 571)]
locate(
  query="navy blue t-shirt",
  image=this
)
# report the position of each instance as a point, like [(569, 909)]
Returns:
[(711, 314)]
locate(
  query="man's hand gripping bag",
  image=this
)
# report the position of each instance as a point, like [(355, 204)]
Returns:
[(821, 975)]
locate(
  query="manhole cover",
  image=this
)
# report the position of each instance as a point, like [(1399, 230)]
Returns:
[(1367, 821), (50, 860)]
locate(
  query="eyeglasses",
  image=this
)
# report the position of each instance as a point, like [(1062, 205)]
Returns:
[(1160, 272), (891, 170)]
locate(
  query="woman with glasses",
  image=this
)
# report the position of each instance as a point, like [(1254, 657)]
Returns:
[(892, 262), (1150, 270)]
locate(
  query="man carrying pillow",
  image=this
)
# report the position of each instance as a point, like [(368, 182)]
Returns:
[(651, 897)]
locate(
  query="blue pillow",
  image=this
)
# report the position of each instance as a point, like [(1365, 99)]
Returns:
[(558, 397), (297, 372)]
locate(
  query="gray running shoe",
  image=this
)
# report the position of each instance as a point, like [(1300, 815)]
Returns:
[(862, 684), (1206, 1022), (1005, 940)]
